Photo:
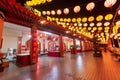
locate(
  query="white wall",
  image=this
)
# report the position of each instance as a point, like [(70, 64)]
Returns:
[(9, 39)]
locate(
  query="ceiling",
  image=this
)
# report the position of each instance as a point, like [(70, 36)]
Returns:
[(18, 14), (61, 4)]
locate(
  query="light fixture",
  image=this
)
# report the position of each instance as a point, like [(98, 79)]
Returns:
[(66, 11), (106, 23), (44, 12), (99, 18), (84, 19), (99, 24), (53, 12), (48, 12), (59, 12), (85, 24), (118, 12), (91, 18), (109, 3), (108, 16), (78, 19), (118, 23), (90, 6), (92, 24), (77, 9)]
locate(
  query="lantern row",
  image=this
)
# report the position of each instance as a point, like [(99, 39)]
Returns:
[(108, 17), (37, 2), (89, 7)]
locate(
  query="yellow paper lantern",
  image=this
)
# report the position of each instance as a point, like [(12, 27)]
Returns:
[(73, 20), (107, 28), (84, 19), (68, 20), (78, 19), (91, 18), (89, 28), (65, 20), (100, 28), (61, 19), (108, 17), (94, 28), (99, 18)]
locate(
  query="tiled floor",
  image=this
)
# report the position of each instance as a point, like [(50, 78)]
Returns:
[(82, 66)]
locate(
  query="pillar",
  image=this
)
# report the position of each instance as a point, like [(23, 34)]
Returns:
[(1, 29), (33, 47), (80, 45), (61, 46), (74, 46), (19, 44), (43, 45)]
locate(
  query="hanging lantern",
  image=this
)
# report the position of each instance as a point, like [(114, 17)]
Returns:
[(75, 24), (44, 12), (77, 9), (99, 28), (69, 20), (78, 19), (89, 28), (108, 17), (66, 11), (109, 3), (65, 20), (99, 24), (99, 18), (59, 12), (84, 19), (61, 19), (53, 12), (94, 28), (80, 28), (92, 24), (106, 23), (118, 23), (84, 28), (107, 28), (85, 24), (91, 18), (79, 24), (49, 0), (48, 12), (118, 12), (90, 6), (73, 20)]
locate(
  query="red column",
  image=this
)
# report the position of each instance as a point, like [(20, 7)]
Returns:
[(1, 31), (61, 46), (74, 42), (19, 44), (33, 49), (43, 45), (80, 45)]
